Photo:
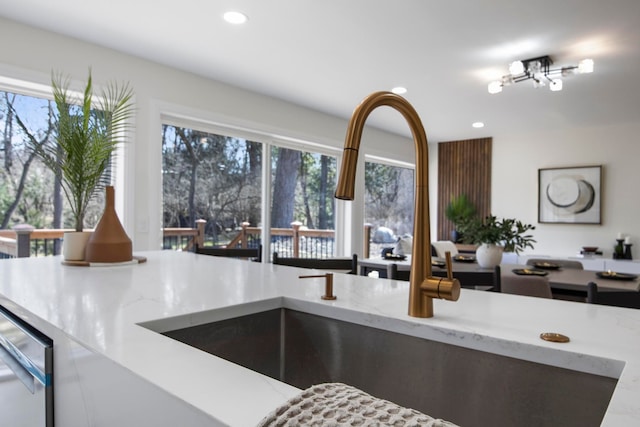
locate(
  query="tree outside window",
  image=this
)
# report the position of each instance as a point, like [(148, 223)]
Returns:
[(303, 184), (212, 177), (29, 192), (389, 204), (218, 178)]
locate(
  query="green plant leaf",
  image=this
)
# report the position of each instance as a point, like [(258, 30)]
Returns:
[(87, 135), (506, 232)]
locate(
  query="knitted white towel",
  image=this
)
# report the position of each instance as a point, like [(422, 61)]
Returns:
[(336, 404)]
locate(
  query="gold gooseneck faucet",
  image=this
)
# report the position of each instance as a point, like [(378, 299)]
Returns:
[(423, 287)]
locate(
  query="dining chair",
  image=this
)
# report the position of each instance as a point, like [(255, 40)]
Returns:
[(497, 279), (254, 254), (627, 299), (565, 263), (348, 264), (533, 286), (443, 246), (395, 274)]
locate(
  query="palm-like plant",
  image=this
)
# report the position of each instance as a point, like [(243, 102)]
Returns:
[(460, 209), (87, 135)]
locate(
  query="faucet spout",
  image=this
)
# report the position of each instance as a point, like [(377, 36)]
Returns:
[(422, 285)]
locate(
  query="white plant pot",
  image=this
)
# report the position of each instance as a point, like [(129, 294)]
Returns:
[(489, 255), (74, 244)]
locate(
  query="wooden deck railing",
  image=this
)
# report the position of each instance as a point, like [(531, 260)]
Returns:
[(8, 247), (297, 241), (17, 243), (290, 242), (24, 241), (184, 239)]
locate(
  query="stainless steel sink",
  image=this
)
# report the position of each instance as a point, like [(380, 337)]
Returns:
[(467, 387)]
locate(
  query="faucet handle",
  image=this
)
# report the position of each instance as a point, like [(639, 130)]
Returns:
[(447, 256), (328, 284), (441, 287)]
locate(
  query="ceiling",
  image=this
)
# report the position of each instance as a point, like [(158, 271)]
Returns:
[(328, 55)]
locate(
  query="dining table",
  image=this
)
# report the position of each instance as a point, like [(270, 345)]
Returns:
[(464, 267), (573, 279), (471, 274)]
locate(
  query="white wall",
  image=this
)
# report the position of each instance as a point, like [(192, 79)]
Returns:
[(31, 54), (517, 158)]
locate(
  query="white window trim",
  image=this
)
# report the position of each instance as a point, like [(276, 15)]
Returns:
[(389, 162)]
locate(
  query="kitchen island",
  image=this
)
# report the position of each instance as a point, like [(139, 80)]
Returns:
[(112, 367)]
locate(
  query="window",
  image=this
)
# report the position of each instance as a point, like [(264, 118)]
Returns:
[(212, 177), (389, 204), (302, 190), (29, 193), (218, 178)]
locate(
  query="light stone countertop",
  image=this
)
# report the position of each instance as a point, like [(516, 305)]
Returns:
[(102, 309)]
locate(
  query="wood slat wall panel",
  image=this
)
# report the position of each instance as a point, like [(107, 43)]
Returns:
[(463, 167)]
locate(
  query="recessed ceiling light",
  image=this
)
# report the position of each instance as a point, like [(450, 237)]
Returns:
[(399, 90), (234, 17), (478, 125)]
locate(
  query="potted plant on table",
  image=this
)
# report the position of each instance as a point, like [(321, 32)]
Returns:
[(87, 132), (496, 235), (459, 211)]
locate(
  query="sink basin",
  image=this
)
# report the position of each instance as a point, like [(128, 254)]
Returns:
[(464, 386)]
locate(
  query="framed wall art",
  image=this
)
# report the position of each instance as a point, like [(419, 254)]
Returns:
[(570, 195)]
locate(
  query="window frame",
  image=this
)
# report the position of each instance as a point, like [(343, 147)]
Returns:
[(268, 141)]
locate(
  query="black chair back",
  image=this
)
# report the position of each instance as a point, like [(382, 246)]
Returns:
[(468, 279), (395, 274), (627, 299), (255, 254), (350, 265)]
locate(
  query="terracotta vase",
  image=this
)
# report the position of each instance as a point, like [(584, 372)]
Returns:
[(109, 242)]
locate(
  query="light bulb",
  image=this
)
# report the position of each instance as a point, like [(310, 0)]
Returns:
[(556, 85), (534, 67), (538, 81), (507, 80), (516, 67), (234, 17), (495, 87), (585, 66)]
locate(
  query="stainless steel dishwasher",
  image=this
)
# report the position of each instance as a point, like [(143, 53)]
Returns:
[(26, 374)]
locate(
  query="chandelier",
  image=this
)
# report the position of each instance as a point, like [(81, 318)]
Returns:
[(540, 72)]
